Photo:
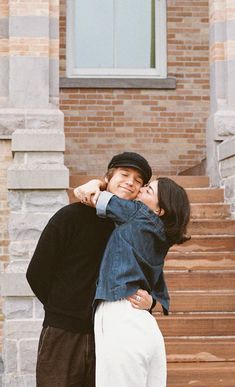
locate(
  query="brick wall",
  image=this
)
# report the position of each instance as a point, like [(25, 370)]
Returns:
[(5, 160), (167, 126)]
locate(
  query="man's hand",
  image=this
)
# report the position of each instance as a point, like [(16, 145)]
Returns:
[(88, 193), (141, 300)]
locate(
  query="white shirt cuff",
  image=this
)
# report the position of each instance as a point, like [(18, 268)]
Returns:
[(102, 203)]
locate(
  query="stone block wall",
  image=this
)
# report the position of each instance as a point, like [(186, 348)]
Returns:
[(36, 182), (32, 126), (221, 123), (5, 161), (166, 126)]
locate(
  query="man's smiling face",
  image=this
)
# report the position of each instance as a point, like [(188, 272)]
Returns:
[(125, 183)]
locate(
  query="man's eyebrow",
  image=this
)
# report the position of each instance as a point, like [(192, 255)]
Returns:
[(151, 188), (128, 168)]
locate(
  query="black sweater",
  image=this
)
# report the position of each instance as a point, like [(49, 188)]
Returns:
[(65, 266)]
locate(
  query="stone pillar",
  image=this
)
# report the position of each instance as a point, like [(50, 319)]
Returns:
[(37, 177), (221, 123)]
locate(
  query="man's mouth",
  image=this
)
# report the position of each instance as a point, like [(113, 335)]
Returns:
[(126, 189)]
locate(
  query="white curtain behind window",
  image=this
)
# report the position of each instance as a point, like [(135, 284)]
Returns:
[(113, 33)]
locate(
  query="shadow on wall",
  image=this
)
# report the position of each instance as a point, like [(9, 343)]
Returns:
[(196, 170), (1, 370)]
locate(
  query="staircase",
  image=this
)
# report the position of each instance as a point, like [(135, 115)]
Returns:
[(200, 330)]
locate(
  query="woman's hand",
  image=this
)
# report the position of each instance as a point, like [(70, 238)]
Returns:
[(141, 300), (88, 193)]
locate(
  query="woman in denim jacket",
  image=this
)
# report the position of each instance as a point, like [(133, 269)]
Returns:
[(130, 350)]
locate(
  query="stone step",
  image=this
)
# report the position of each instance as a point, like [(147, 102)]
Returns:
[(200, 281), (200, 349), (220, 324), (198, 301), (200, 261), (205, 195), (211, 227), (184, 181), (191, 181), (210, 211), (201, 374), (207, 243)]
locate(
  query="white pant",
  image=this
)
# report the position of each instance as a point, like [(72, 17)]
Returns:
[(130, 350)]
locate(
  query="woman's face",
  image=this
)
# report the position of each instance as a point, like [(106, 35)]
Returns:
[(149, 196)]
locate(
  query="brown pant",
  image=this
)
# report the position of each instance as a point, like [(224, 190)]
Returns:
[(65, 359)]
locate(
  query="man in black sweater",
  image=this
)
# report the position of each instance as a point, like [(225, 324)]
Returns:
[(63, 274)]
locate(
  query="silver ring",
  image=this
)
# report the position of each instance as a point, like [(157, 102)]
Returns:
[(138, 298)]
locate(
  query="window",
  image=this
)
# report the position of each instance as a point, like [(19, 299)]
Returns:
[(116, 38)]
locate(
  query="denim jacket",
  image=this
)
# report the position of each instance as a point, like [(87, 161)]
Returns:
[(134, 255)]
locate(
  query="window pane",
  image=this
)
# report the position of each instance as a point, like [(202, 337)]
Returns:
[(94, 33), (132, 33)]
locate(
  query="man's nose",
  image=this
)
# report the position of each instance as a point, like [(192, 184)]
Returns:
[(130, 180)]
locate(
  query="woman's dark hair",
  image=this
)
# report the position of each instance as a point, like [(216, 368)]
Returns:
[(173, 199)]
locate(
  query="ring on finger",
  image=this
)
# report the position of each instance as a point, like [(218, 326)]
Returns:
[(138, 298)]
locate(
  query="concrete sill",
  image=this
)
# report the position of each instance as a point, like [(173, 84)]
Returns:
[(118, 83)]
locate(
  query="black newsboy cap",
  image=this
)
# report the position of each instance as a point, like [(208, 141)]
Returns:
[(132, 160)]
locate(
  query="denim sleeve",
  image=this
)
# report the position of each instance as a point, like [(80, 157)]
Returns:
[(111, 206)]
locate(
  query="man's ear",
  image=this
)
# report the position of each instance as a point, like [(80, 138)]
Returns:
[(160, 212)]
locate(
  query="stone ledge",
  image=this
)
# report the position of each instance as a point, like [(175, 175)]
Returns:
[(118, 83), (226, 149), (38, 140), (37, 177), (227, 167), (224, 122), (14, 118)]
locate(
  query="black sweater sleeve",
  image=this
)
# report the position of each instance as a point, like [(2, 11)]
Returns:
[(45, 261)]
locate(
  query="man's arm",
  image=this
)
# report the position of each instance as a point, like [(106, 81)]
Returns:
[(88, 193), (44, 263)]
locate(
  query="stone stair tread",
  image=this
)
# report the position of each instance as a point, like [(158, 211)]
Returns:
[(210, 211), (207, 243), (194, 324), (212, 221), (201, 280), (200, 349), (211, 227), (201, 374), (200, 260), (191, 181), (209, 237), (190, 301), (205, 195)]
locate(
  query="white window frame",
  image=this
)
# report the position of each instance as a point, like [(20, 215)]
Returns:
[(160, 48)]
